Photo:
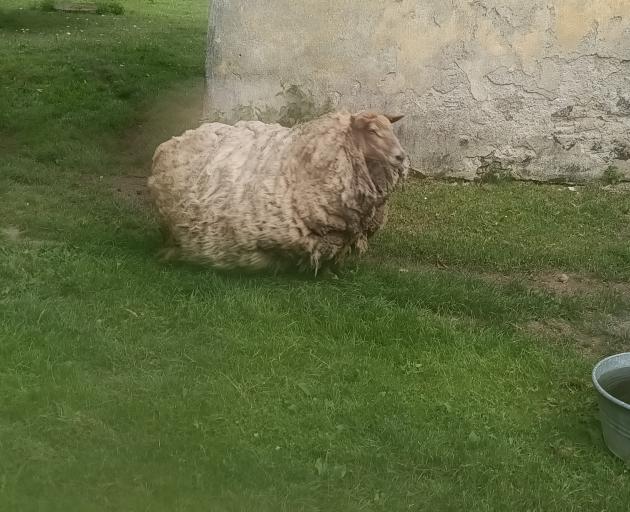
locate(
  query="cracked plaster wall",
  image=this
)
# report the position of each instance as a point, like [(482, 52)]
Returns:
[(539, 89)]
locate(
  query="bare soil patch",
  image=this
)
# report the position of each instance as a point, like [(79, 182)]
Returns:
[(596, 336), (562, 331), (561, 283), (175, 111), (133, 188)]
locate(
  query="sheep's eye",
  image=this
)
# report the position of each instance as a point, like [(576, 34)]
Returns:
[(372, 130)]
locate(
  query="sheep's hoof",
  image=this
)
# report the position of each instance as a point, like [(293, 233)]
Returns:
[(328, 273)]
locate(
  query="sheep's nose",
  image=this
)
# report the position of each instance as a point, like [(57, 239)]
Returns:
[(400, 157)]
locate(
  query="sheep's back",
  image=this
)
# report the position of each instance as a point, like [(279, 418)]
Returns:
[(220, 188)]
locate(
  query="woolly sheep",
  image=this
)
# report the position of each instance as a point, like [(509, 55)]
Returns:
[(257, 195)]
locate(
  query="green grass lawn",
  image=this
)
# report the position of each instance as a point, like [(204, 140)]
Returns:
[(447, 370)]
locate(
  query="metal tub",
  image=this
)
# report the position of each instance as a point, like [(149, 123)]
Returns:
[(614, 411)]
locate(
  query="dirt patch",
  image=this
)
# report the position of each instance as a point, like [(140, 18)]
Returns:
[(617, 326), (620, 188), (597, 339), (596, 336), (571, 285), (556, 283), (561, 331), (562, 284), (133, 188), (173, 112)]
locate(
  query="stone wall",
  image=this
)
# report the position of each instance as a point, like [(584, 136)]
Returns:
[(537, 89)]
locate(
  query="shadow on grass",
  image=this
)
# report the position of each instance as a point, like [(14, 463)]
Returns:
[(452, 295)]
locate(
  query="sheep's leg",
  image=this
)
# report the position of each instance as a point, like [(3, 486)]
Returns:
[(167, 235), (169, 254), (329, 270), (170, 250)]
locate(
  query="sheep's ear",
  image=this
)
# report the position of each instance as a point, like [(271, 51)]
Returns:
[(358, 121), (393, 119)]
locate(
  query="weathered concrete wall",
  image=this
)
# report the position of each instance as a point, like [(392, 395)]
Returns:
[(537, 88)]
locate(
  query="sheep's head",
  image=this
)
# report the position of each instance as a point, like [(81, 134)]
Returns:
[(375, 138)]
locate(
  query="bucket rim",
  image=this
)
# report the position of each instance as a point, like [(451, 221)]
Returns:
[(600, 389)]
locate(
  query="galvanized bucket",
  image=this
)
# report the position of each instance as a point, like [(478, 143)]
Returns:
[(614, 412)]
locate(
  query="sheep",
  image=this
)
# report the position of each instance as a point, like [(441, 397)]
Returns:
[(257, 195)]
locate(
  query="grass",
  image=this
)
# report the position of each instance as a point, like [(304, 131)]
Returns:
[(404, 385), (110, 8), (514, 227)]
